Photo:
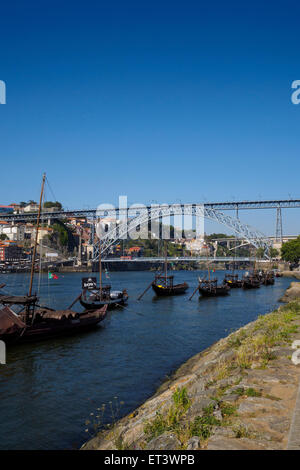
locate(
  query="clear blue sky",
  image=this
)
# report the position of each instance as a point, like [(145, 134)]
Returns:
[(161, 101)]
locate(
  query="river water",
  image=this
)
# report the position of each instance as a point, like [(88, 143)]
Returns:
[(49, 389)]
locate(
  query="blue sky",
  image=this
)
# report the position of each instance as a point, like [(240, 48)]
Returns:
[(160, 101)]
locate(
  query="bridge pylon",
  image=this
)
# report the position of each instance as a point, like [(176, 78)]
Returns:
[(278, 236)]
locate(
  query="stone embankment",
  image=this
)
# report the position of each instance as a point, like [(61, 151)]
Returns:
[(238, 394), (292, 293)]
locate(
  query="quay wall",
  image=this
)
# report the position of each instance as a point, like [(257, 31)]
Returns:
[(240, 393)]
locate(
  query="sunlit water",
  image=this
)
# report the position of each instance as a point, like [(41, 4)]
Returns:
[(49, 389)]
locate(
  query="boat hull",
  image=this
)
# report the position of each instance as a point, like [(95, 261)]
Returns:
[(269, 282), (111, 304), (169, 291), (251, 284), (50, 329), (234, 284), (219, 291)]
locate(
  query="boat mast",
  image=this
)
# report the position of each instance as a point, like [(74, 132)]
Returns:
[(234, 263), (36, 235), (166, 263), (100, 270)]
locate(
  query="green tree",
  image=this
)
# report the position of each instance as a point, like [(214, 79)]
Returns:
[(3, 236), (273, 253), (290, 251), (260, 252), (49, 204)]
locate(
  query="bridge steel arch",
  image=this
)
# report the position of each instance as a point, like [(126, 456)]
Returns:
[(253, 236)]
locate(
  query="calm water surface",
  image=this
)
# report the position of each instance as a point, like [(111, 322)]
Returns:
[(49, 389)]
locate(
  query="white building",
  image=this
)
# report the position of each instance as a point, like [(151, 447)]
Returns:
[(31, 208), (13, 232)]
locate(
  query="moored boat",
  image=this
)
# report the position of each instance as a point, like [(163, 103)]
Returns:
[(210, 288), (22, 319), (233, 281), (251, 281), (164, 286), (268, 278), (45, 323), (92, 299)]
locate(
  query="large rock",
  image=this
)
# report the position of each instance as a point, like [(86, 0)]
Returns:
[(292, 293), (193, 443), (225, 443), (259, 405), (166, 441)]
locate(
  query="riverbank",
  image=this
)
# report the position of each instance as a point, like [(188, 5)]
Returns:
[(294, 274), (240, 393)]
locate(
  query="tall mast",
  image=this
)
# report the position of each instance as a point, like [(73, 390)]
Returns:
[(234, 263), (166, 262), (36, 235), (100, 269)]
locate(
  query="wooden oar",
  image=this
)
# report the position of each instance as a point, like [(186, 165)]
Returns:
[(139, 298), (76, 300), (2, 285), (194, 292)]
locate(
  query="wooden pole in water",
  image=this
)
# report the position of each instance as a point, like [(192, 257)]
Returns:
[(36, 236), (194, 293), (139, 298)]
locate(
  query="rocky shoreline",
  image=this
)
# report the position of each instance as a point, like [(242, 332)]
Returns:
[(240, 393)]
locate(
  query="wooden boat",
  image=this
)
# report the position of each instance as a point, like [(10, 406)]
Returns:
[(93, 297), (97, 298), (34, 322), (44, 323), (268, 278), (163, 285), (251, 281), (210, 288), (233, 281)]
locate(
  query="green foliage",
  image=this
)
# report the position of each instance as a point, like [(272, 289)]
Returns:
[(227, 409), (241, 430), (251, 392), (260, 252), (181, 399), (290, 251), (62, 234), (255, 344), (171, 420), (3, 236), (156, 427), (49, 204), (202, 425), (273, 253), (214, 236)]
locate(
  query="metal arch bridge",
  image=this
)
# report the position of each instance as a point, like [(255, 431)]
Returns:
[(121, 231), (93, 213), (211, 210)]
